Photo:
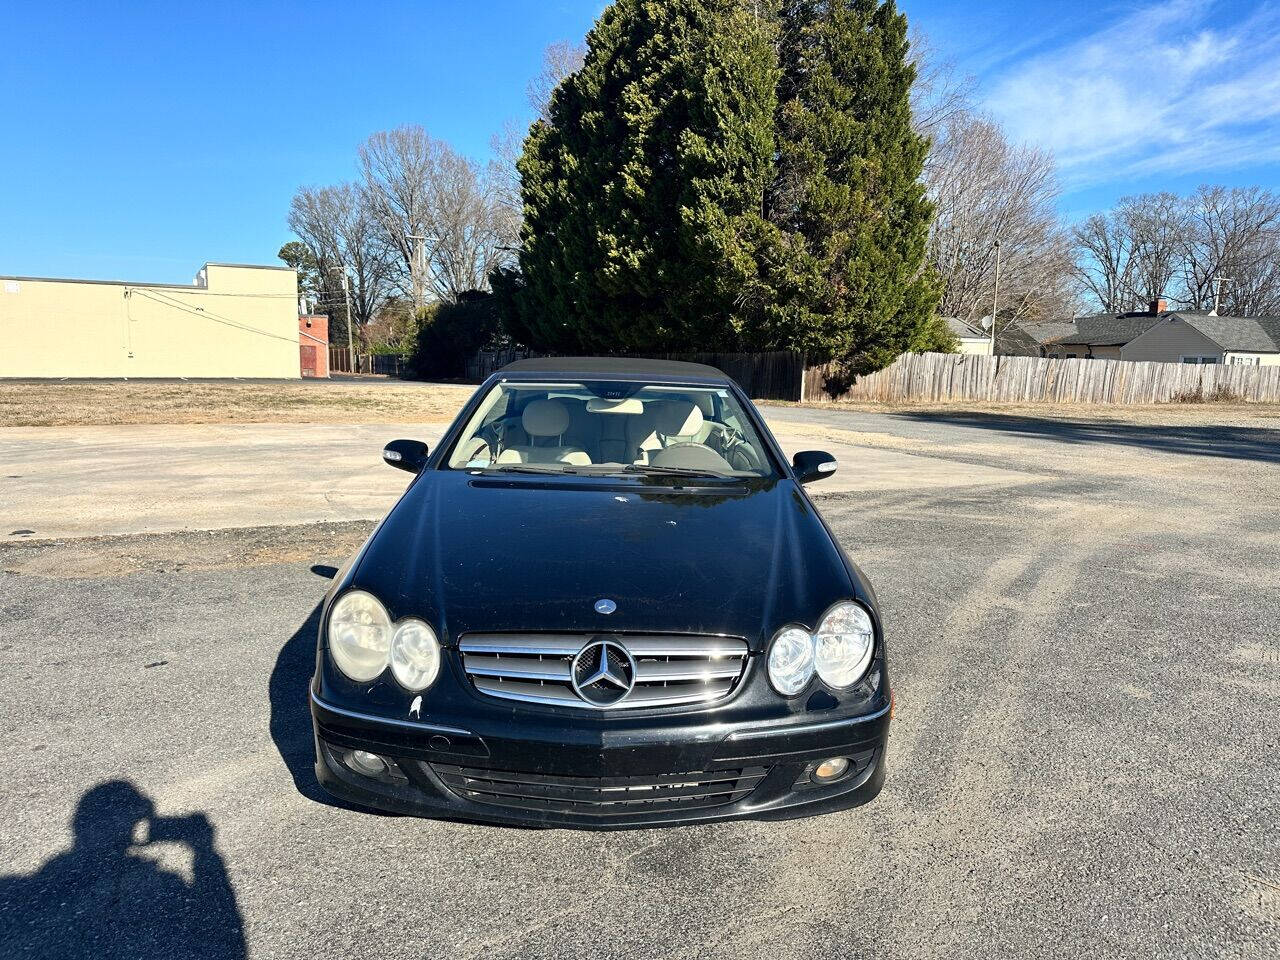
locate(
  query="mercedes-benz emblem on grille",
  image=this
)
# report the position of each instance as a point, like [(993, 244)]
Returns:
[(603, 673), (605, 605)]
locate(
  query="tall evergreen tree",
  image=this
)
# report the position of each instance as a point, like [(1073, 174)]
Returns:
[(850, 273), (643, 189), (730, 174)]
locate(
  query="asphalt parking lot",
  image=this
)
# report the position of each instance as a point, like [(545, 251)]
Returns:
[(1083, 627)]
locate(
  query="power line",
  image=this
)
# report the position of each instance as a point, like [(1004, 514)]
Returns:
[(201, 312), (207, 293)]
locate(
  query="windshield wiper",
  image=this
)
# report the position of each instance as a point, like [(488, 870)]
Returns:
[(650, 469), (529, 468)]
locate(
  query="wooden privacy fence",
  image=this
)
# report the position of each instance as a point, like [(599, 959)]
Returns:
[(386, 364), (949, 376), (486, 362), (339, 360)]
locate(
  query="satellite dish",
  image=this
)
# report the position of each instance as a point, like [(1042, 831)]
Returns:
[(986, 323)]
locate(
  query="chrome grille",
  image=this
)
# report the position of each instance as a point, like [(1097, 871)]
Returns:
[(668, 670), (601, 796)]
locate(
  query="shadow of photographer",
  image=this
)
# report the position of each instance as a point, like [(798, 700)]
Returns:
[(109, 896)]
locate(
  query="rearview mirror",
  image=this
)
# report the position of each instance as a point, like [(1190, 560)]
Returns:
[(601, 405), (408, 455), (811, 465)]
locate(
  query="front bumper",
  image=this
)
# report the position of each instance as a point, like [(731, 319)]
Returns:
[(596, 776)]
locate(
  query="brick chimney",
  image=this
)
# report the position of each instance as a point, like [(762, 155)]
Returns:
[(1157, 306)]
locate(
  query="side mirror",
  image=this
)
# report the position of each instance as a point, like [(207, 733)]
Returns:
[(408, 455), (811, 465)]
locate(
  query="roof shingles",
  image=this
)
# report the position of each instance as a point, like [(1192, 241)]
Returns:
[(1244, 334), (1107, 329)]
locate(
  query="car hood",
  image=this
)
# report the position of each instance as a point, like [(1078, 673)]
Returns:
[(478, 554)]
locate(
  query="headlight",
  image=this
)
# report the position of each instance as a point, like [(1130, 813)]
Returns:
[(415, 654), (843, 645), (359, 635), (791, 661)]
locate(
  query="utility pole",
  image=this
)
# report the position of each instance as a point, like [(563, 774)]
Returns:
[(995, 301), (418, 268), (351, 351), (1217, 293)]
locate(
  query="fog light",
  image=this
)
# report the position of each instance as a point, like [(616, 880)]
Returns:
[(370, 764), (832, 769)]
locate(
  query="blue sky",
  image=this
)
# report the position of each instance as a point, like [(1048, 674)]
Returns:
[(142, 139)]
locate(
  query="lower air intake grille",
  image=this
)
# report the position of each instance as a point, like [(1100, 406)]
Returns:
[(601, 796), (603, 671)]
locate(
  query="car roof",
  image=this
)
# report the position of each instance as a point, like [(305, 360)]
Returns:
[(615, 368)]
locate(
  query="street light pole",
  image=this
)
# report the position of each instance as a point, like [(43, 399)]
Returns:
[(418, 268), (1217, 293), (346, 294), (995, 301)]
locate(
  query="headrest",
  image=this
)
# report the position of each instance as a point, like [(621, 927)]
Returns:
[(705, 404), (545, 418), (678, 418)]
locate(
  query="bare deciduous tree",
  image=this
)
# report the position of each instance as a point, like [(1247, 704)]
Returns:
[(559, 60), (940, 92), (1104, 260), (1162, 245), (421, 187), (399, 169), (986, 190), (1235, 234), (506, 147), (340, 230), (1156, 225), (471, 225), (1254, 291)]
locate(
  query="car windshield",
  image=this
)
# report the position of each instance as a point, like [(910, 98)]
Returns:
[(614, 427)]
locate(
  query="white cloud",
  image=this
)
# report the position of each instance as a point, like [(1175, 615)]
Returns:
[(1174, 87)]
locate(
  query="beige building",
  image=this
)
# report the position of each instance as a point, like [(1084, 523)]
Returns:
[(233, 320), (1203, 338), (974, 341)]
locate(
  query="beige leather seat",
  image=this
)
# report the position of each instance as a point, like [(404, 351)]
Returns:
[(642, 437), (677, 436), (545, 421), (666, 422), (680, 421), (696, 426)]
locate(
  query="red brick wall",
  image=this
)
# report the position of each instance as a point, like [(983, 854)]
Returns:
[(313, 345)]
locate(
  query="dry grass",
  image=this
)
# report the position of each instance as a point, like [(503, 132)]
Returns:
[(138, 401), (69, 403), (1220, 394)]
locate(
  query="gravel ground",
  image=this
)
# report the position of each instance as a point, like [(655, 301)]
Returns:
[(1083, 762)]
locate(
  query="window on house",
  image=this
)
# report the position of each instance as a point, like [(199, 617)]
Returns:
[(1071, 356), (1240, 361), (1198, 359)]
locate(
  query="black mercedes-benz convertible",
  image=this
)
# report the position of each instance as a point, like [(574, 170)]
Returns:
[(605, 600)]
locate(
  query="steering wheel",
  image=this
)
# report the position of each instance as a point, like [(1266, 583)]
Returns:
[(492, 432), (737, 451), (744, 457)]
